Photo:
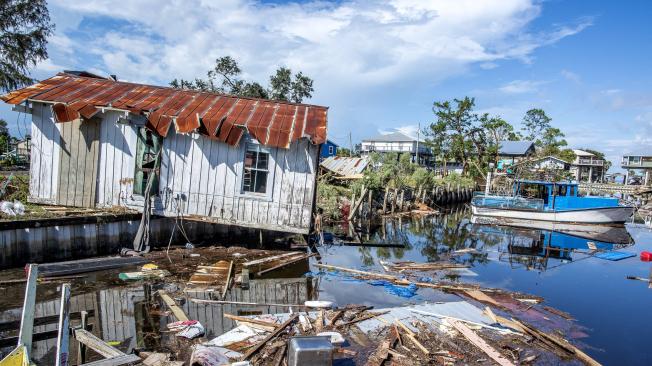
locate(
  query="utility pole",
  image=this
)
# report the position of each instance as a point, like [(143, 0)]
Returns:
[(350, 145), (418, 130)]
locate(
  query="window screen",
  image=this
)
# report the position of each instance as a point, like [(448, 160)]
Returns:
[(256, 169)]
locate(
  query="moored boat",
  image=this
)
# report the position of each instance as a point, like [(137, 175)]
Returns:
[(553, 202)]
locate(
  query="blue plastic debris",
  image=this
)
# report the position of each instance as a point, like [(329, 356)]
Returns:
[(402, 291), (614, 255)]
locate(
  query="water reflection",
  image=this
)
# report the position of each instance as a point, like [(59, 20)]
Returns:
[(532, 245), (133, 317)]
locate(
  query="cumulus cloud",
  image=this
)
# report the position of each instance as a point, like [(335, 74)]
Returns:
[(368, 43), (358, 52)]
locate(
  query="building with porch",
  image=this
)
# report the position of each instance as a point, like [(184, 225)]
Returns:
[(587, 167), (637, 162), (217, 158), (400, 143)]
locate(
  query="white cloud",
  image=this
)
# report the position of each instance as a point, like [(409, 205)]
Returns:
[(353, 43), (569, 75), (359, 53), (521, 86)]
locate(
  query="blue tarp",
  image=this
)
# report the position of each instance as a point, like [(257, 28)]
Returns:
[(615, 256), (390, 288)]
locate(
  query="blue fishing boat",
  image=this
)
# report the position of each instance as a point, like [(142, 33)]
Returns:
[(553, 202)]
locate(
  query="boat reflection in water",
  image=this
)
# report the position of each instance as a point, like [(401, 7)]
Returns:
[(531, 244)]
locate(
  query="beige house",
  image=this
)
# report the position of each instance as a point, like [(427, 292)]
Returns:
[(587, 167)]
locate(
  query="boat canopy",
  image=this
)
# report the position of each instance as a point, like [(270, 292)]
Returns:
[(559, 195)]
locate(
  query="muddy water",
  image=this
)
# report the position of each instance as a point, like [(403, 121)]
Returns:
[(613, 321)]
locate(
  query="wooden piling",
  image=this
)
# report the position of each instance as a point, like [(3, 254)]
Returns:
[(385, 200)]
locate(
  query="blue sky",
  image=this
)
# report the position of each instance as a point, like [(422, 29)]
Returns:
[(380, 65)]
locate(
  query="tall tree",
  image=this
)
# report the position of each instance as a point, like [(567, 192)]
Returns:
[(535, 123), (551, 142), (225, 78), (450, 135), (24, 29), (497, 130)]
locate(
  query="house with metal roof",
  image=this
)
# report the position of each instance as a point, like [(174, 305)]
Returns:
[(511, 152), (99, 142), (398, 142)]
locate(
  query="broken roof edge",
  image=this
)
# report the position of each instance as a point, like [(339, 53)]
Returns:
[(72, 97), (81, 75)]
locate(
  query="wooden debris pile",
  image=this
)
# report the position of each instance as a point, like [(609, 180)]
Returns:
[(422, 267), (220, 276)]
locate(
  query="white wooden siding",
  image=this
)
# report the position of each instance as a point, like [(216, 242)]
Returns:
[(205, 174), (115, 181), (202, 177), (44, 166)]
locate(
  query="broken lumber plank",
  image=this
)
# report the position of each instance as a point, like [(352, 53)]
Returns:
[(222, 302), (123, 359), (27, 317), (269, 326), (363, 318), (87, 265), (64, 333), (559, 342), (228, 280), (477, 341), (411, 336), (291, 260), (400, 281), (563, 314), (176, 310), (482, 297), (278, 330), (268, 259), (91, 341), (337, 315)]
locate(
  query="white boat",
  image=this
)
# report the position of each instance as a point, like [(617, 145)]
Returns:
[(553, 202)]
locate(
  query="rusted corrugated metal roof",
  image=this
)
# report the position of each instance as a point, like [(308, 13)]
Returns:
[(222, 117), (345, 166)]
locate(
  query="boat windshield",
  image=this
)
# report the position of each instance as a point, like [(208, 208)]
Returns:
[(534, 191), (508, 202)]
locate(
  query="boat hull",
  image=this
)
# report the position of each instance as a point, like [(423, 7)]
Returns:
[(601, 215)]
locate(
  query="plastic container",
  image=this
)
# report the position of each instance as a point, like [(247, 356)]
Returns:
[(646, 256)]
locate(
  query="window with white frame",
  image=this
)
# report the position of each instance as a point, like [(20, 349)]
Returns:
[(256, 169), (330, 150)]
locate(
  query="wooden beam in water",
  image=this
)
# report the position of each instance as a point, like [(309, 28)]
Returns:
[(27, 318), (63, 335), (91, 341), (176, 310), (123, 359)]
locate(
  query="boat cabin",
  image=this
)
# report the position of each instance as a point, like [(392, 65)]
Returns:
[(559, 195)]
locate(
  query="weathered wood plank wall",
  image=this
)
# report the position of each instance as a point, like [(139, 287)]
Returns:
[(205, 174), (44, 166), (78, 162)]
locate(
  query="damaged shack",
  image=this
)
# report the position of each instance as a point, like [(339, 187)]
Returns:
[(104, 143)]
